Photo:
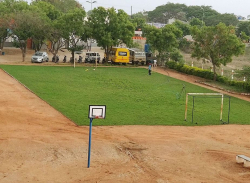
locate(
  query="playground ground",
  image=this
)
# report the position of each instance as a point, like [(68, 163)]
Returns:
[(38, 144)]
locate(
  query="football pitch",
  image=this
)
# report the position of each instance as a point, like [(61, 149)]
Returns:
[(132, 96)]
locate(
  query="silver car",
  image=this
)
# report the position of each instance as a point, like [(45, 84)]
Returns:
[(40, 57)]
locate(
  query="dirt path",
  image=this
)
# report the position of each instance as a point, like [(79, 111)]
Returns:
[(38, 144)]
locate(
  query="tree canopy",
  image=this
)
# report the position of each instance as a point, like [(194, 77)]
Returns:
[(163, 40), (206, 14), (217, 44), (111, 28)]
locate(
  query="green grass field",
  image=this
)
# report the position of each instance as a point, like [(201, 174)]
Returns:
[(132, 96)]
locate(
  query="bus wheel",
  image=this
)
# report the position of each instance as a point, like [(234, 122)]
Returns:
[(123, 63), (133, 63), (142, 63)]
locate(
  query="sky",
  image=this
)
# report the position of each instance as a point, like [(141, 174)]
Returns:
[(237, 7)]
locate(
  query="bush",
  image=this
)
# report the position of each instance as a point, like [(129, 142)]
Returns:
[(206, 74), (176, 56)]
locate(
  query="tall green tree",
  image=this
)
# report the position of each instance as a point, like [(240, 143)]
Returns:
[(22, 28), (4, 24), (217, 44), (111, 28), (49, 15), (163, 40), (243, 27), (200, 12), (63, 5), (196, 22), (163, 13), (184, 27), (47, 8), (7, 10), (74, 28), (138, 22)]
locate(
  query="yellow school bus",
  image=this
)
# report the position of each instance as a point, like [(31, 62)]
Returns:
[(119, 55)]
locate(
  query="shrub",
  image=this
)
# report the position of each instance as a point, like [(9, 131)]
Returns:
[(206, 74)]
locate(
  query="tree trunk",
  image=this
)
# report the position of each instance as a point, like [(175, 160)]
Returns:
[(73, 55), (23, 45), (214, 67), (23, 54), (2, 43)]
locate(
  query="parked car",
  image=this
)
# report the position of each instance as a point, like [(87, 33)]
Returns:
[(40, 57), (91, 57)]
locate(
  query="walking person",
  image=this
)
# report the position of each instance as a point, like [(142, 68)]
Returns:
[(149, 68)]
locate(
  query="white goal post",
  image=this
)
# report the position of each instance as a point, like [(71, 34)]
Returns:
[(203, 94)]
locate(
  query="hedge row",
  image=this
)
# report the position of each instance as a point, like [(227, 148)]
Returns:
[(206, 74)]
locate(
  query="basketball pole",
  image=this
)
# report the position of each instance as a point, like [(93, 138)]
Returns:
[(89, 150)]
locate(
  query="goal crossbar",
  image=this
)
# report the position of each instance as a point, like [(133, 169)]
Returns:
[(203, 94)]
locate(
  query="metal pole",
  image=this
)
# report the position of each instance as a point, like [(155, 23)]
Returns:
[(131, 11), (89, 150), (221, 109), (186, 107), (229, 108), (193, 111)]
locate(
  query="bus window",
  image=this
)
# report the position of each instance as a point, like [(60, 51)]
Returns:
[(122, 53)]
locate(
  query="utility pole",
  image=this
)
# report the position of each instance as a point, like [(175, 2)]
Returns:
[(131, 11), (91, 2)]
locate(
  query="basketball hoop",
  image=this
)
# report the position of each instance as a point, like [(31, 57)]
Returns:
[(95, 112)]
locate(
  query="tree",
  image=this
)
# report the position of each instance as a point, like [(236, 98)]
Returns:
[(184, 27), (4, 27), (228, 19), (111, 28), (74, 28), (139, 23), (163, 40), (22, 29), (48, 14), (195, 22), (217, 44), (163, 13), (55, 37), (47, 8), (8, 8), (142, 16), (176, 56), (200, 12), (64, 5), (244, 37), (243, 27)]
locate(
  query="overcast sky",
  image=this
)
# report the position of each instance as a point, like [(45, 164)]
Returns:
[(238, 7)]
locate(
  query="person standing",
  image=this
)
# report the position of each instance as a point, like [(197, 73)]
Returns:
[(149, 69), (155, 62)]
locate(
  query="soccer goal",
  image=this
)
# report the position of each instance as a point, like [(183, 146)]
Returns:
[(208, 96)]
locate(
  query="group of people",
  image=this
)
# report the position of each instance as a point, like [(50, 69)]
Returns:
[(65, 59), (151, 64)]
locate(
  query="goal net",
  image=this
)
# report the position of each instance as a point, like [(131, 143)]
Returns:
[(207, 107)]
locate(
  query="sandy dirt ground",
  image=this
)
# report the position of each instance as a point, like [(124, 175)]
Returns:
[(38, 144)]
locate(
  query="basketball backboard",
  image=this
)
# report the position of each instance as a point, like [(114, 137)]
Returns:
[(97, 111)]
